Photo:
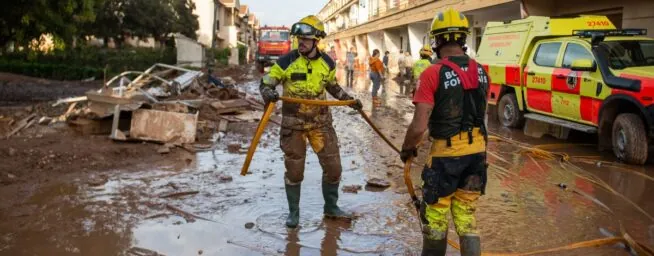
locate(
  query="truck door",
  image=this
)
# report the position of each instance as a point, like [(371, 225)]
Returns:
[(577, 92), (539, 70)]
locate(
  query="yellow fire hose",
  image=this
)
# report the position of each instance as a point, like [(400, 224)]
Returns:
[(271, 106)]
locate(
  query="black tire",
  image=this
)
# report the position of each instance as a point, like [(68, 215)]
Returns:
[(629, 139), (508, 112)]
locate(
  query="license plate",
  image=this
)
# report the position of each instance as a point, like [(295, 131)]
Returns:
[(274, 57)]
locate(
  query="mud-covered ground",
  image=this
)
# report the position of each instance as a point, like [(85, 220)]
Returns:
[(133, 208)]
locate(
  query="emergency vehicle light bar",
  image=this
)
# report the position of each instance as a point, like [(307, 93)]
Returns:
[(610, 32)]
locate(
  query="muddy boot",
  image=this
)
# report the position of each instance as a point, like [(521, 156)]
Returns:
[(293, 197), (434, 247), (470, 245), (331, 210)]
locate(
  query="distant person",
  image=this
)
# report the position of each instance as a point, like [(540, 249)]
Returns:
[(400, 63), (332, 54), (376, 75), (385, 61), (349, 66), (408, 64), (420, 66)]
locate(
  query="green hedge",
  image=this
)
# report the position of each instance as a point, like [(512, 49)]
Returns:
[(78, 63), (50, 71), (222, 56), (242, 53)]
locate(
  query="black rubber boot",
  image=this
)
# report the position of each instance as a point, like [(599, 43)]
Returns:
[(434, 247), (293, 197), (470, 245), (330, 194)]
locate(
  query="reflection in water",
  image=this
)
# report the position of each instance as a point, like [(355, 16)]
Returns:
[(329, 245), (292, 243)]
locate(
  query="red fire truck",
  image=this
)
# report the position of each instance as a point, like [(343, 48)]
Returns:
[(273, 43)]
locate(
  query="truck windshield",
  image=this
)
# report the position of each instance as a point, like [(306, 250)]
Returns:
[(627, 54), (274, 35)]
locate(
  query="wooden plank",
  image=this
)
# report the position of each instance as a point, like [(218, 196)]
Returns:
[(21, 125), (111, 99), (70, 100), (230, 106)]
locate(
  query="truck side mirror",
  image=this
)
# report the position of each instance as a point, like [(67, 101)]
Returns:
[(583, 65)]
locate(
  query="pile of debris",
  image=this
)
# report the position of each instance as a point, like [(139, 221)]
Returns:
[(166, 104)]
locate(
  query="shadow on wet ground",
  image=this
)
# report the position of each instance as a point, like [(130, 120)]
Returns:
[(524, 208)]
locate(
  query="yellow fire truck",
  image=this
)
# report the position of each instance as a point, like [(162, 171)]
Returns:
[(577, 73)]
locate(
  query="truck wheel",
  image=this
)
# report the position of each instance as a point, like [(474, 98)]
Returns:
[(508, 112), (629, 139)]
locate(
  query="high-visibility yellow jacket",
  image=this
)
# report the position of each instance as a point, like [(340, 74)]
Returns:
[(420, 67), (305, 78)]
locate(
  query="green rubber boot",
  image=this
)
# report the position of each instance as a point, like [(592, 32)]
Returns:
[(331, 210), (434, 247), (470, 245), (293, 197)]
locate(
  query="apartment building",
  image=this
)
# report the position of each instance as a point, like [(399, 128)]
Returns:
[(394, 25), (228, 18)]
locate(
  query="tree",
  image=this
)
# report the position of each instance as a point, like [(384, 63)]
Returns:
[(144, 18), (22, 21), (187, 23), (108, 21)]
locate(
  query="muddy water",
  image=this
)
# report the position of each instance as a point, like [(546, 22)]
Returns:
[(523, 209)]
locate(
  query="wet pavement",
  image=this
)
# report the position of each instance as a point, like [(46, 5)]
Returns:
[(524, 209)]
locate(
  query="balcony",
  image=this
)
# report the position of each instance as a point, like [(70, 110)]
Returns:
[(376, 9)]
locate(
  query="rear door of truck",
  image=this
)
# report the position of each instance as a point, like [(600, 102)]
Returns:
[(500, 52)]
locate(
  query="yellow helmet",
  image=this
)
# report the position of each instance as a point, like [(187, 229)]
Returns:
[(449, 26), (426, 51), (309, 27)]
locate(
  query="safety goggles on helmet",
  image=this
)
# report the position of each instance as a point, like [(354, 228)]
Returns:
[(441, 31), (306, 30)]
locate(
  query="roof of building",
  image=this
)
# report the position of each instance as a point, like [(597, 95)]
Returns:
[(243, 10), (230, 3)]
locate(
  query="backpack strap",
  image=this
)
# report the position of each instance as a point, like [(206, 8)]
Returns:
[(470, 83), (470, 78)]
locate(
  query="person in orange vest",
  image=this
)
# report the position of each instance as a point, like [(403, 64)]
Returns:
[(376, 75), (450, 101)]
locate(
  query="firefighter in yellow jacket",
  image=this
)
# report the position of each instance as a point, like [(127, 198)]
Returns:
[(451, 101), (307, 73), (420, 65)]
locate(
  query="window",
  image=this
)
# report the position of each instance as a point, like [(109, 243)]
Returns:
[(478, 35), (546, 54), (575, 52), (628, 53), (274, 35)]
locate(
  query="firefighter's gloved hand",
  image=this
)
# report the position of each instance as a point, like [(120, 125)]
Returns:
[(357, 105), (405, 154), (269, 94)]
